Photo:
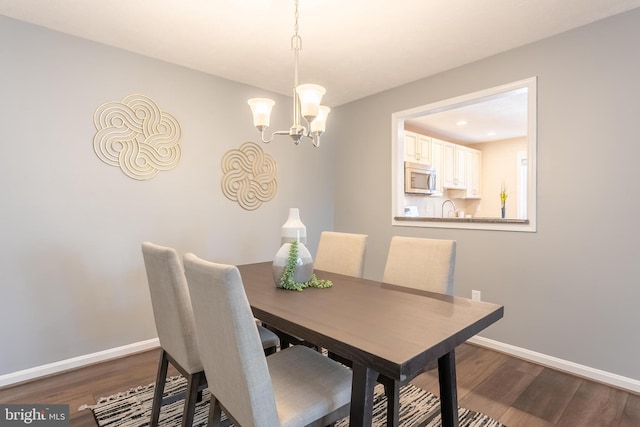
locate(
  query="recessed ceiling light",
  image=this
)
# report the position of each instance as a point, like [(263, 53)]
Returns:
[(461, 123), (492, 133)]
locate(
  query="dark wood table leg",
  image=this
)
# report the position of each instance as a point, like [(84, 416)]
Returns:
[(363, 383), (448, 389), (392, 391)]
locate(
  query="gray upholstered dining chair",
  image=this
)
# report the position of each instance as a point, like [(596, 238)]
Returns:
[(175, 325), (293, 387), (419, 263), (341, 253)]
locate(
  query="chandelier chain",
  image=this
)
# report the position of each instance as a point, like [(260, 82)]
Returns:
[(296, 45), (296, 40), (297, 15)]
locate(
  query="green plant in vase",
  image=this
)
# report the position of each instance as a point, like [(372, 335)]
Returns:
[(287, 280), (503, 199)]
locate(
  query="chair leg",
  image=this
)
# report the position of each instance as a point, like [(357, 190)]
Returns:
[(161, 378), (215, 413), (193, 381), (269, 351)]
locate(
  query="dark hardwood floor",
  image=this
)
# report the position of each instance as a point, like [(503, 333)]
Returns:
[(519, 393), (515, 392)]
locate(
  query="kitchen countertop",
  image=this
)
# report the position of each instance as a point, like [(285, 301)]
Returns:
[(473, 220)]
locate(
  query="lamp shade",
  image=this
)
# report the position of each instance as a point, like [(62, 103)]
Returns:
[(310, 96), (319, 124), (261, 109)]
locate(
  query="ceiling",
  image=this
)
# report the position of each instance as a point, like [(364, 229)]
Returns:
[(354, 48), (490, 118)]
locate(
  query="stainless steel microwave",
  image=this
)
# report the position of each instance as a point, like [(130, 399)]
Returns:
[(419, 178)]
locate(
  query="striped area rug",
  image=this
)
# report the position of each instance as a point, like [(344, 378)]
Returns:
[(133, 409)]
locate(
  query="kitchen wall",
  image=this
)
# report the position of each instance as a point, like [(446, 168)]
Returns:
[(73, 281), (499, 166), (570, 290), (432, 206)]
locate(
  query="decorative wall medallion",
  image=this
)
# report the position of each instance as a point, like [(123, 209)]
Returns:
[(249, 176), (137, 136)]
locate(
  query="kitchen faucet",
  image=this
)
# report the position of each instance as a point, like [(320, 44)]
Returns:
[(452, 210)]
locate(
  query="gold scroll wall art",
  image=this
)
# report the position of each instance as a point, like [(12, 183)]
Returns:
[(137, 136), (249, 176)]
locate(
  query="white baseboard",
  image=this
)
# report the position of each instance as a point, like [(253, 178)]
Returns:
[(597, 375), (76, 362), (604, 377)]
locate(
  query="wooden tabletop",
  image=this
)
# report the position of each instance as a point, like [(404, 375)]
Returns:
[(394, 330)]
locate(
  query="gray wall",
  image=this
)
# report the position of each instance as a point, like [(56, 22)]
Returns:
[(72, 276), (571, 290), (73, 282)]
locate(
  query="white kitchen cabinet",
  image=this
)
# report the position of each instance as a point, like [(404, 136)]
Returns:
[(437, 146), (473, 173), (417, 148), (410, 141), (424, 149), (455, 166)]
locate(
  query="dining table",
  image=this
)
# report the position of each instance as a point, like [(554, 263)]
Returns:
[(381, 328)]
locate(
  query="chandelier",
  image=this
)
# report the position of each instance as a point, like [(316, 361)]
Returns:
[(306, 104)]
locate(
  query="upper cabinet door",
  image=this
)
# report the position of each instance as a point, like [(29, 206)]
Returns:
[(417, 148), (423, 147), (410, 142), (437, 161), (454, 160), (474, 174)]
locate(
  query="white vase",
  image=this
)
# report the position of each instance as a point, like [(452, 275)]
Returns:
[(304, 263), (293, 228)]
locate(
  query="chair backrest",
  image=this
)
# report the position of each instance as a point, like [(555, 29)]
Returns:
[(235, 366), (171, 305), (426, 264), (341, 253)]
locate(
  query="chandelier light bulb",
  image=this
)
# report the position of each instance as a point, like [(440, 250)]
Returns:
[(319, 124), (261, 109), (310, 96)]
